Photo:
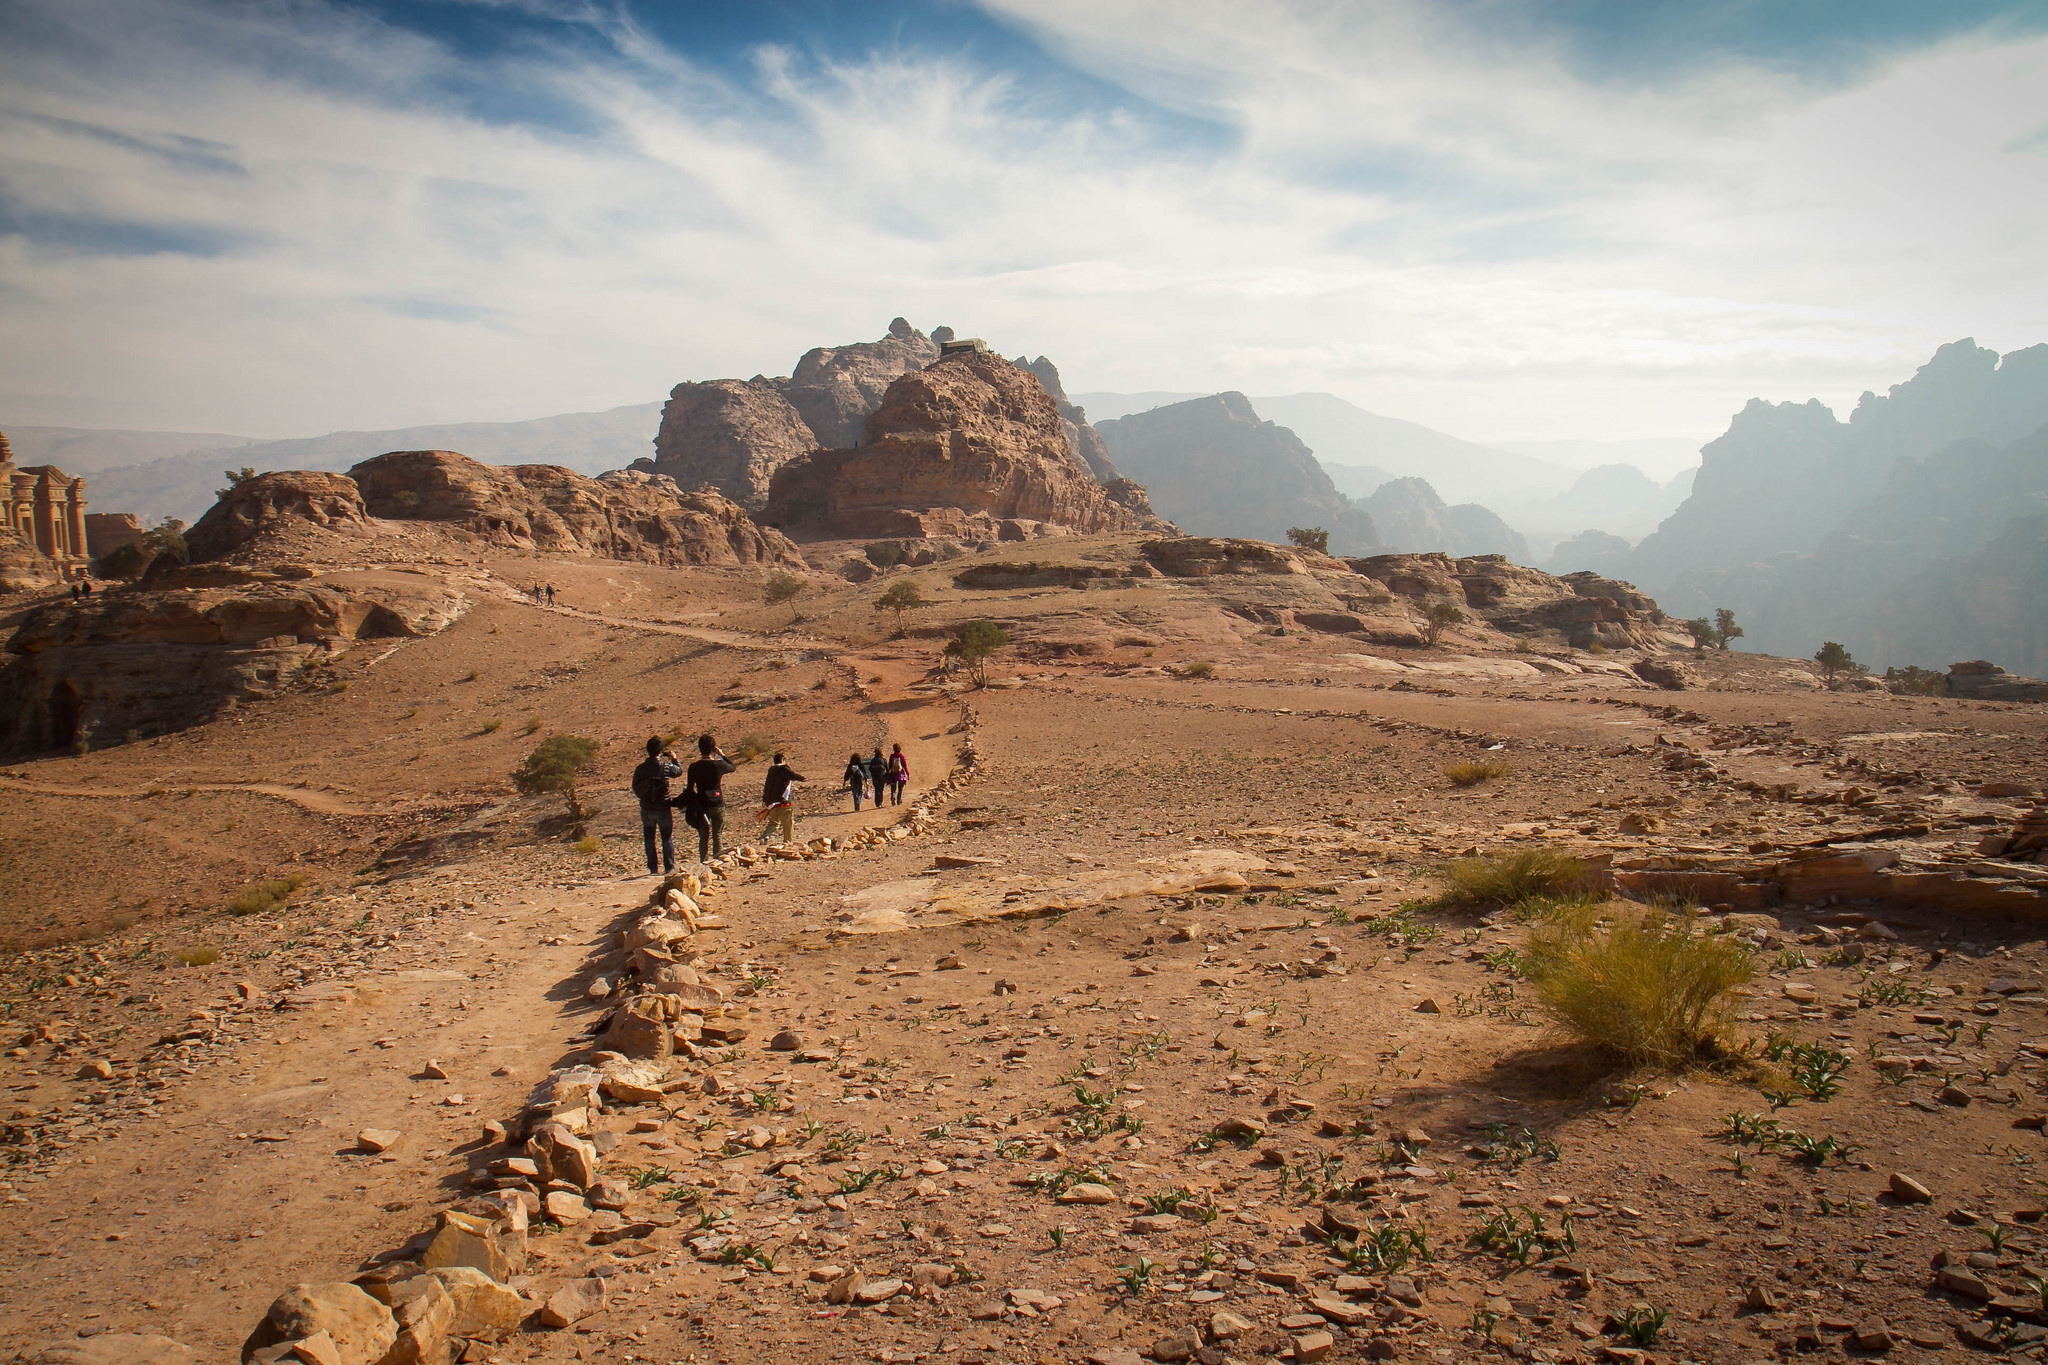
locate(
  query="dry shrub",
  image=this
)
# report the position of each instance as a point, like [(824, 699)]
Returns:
[(1492, 879), (588, 845), (1470, 772), (259, 897), (198, 957), (752, 746), (1200, 668), (1639, 984)]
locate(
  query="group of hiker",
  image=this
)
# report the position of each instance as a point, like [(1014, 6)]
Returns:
[(702, 800), (543, 594), (884, 777)]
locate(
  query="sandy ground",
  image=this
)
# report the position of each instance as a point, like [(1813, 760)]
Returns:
[(1106, 1012)]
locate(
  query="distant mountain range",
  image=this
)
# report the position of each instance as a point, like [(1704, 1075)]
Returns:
[(158, 474)]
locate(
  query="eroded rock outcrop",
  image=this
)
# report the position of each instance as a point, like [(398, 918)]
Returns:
[(835, 388), (626, 514), (1084, 442), (1582, 607), (731, 434), (957, 449), (149, 661), (256, 504)]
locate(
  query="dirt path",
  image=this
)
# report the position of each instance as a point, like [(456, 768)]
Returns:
[(306, 798)]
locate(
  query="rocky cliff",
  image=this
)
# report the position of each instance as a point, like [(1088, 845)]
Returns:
[(626, 514), (131, 662), (1213, 467), (1903, 533), (1410, 516), (1083, 440), (835, 388), (1584, 608), (958, 449), (728, 434)]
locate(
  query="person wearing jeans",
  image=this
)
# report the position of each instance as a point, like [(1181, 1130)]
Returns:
[(704, 799), (650, 785)]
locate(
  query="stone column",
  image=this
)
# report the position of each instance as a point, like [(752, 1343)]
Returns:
[(44, 510), (74, 510)]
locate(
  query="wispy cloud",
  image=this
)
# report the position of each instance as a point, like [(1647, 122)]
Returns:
[(288, 217)]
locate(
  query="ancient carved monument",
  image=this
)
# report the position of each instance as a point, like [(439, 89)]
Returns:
[(45, 507)]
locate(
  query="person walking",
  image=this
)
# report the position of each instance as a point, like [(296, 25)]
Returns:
[(551, 594), (878, 773), (650, 785), (856, 779), (899, 776), (778, 798), (704, 798)]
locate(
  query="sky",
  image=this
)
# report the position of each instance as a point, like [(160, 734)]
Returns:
[(1538, 220)]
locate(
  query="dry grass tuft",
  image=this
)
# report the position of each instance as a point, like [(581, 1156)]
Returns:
[(260, 897), (199, 957), (588, 845), (1470, 772), (1639, 984), (1492, 879), (1200, 668)]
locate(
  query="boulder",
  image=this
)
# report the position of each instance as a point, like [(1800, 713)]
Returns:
[(639, 1029), (495, 1247), (562, 1155), (484, 1309), (953, 450), (269, 507), (1672, 677), (573, 1302), (363, 1330), (424, 1312)]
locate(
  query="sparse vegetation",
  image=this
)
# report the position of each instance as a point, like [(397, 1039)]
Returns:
[(901, 596), (1437, 617), (973, 646), (123, 561), (1701, 630), (1834, 661), (782, 586), (1470, 772), (554, 766), (532, 726), (260, 897), (1493, 879), (884, 554), (1637, 982), (1310, 538), (1725, 628), (588, 845), (1915, 681), (1200, 668), (492, 726), (199, 957), (753, 745)]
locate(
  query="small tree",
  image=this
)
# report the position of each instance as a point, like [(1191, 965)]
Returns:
[(123, 561), (780, 587), (1834, 661), (236, 478), (1702, 632), (1725, 628), (1310, 538), (973, 646), (1438, 617), (884, 554), (553, 767), (167, 537), (902, 596)]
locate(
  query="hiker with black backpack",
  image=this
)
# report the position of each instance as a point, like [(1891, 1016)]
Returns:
[(703, 798), (650, 786), (856, 779)]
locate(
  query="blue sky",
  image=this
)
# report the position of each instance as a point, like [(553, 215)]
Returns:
[(1578, 219)]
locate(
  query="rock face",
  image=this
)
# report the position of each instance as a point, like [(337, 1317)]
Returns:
[(972, 446), (835, 388), (1215, 469), (1986, 681), (137, 661), (253, 505), (1594, 551), (1583, 607), (731, 434), (1914, 533), (106, 532), (1083, 441), (1412, 518), (626, 514)]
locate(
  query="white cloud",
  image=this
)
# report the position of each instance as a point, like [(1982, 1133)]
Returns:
[(1403, 212)]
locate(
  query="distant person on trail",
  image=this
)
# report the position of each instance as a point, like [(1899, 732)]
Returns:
[(778, 798), (899, 776), (704, 798), (650, 785), (551, 594), (878, 773), (856, 779)]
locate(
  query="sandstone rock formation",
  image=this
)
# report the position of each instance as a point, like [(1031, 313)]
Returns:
[(152, 661), (1214, 468), (1084, 441), (1412, 518), (1583, 607), (626, 514), (957, 449), (835, 388), (106, 532), (731, 434), (1986, 681), (252, 505)]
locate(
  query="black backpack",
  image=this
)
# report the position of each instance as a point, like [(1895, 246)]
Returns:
[(643, 783)]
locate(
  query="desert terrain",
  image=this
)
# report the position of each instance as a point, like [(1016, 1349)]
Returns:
[(1144, 1027)]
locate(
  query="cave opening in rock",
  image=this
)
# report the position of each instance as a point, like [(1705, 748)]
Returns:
[(64, 711)]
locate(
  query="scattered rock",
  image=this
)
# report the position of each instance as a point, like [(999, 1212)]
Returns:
[(573, 1302), (363, 1330), (374, 1140), (1087, 1193), (1907, 1190)]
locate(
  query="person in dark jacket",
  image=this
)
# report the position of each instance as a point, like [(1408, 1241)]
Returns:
[(778, 798), (650, 785), (856, 779), (704, 798), (878, 773)]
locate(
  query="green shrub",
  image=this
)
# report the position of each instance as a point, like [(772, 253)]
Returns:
[(259, 897), (884, 554), (554, 766), (1491, 879), (1639, 984)]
